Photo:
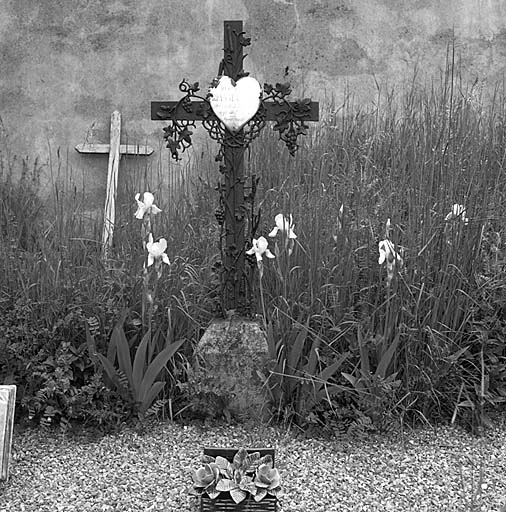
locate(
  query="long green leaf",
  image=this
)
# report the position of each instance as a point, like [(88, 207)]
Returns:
[(90, 344), (354, 381), (327, 372), (156, 367), (111, 372), (108, 367), (329, 390), (313, 358), (295, 351), (364, 354), (152, 393), (112, 348), (124, 359), (387, 357), (457, 354), (271, 344), (139, 363)]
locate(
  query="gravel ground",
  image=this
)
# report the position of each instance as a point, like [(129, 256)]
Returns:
[(443, 469)]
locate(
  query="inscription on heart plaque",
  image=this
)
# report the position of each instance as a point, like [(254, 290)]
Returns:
[(235, 103)]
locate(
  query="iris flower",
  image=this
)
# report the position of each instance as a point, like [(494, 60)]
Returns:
[(146, 206), (259, 248), (340, 217), (388, 227), (156, 250), (458, 212), (285, 225), (388, 255), (339, 223)]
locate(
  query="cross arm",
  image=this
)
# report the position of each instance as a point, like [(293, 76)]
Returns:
[(176, 110), (124, 149), (305, 110), (196, 110)]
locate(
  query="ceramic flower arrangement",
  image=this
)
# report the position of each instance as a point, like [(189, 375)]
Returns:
[(248, 475)]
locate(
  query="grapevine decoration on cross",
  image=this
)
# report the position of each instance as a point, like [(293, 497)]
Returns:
[(234, 111)]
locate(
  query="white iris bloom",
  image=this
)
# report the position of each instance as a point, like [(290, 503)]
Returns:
[(388, 255), (285, 225), (146, 206), (259, 249), (457, 212), (156, 250)]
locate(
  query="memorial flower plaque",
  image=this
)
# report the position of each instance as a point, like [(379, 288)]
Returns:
[(235, 103), (241, 480), (7, 402)]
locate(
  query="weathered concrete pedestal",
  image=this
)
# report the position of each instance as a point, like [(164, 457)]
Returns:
[(7, 403), (228, 358)]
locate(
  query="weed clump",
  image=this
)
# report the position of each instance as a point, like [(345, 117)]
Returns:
[(388, 306)]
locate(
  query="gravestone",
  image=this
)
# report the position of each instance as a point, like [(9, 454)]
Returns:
[(235, 110), (7, 405), (229, 356)]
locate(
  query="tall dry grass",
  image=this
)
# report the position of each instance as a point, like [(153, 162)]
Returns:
[(408, 159), (432, 340)]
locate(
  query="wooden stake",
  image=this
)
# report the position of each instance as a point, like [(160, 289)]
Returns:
[(115, 150), (112, 183)]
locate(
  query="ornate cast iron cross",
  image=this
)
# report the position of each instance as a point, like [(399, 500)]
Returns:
[(234, 137)]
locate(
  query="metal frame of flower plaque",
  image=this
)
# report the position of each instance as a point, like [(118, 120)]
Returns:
[(236, 209)]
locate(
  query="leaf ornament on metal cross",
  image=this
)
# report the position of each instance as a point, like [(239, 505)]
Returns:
[(178, 135), (234, 113), (289, 120)]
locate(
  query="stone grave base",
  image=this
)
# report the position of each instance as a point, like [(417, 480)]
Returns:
[(228, 357)]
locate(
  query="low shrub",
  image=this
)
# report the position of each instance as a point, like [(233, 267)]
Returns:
[(386, 306)]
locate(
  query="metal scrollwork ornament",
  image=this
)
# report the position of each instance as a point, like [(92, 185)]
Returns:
[(289, 119)]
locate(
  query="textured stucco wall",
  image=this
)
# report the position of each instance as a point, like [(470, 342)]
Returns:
[(66, 65)]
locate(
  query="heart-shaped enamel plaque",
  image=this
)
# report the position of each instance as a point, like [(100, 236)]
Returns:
[(235, 103)]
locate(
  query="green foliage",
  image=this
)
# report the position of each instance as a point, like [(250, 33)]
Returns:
[(134, 380), (298, 379), (66, 395), (376, 388), (431, 343), (409, 159), (477, 374), (53, 282), (57, 381), (204, 403)]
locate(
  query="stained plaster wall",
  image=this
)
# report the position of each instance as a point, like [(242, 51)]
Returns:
[(66, 65)]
